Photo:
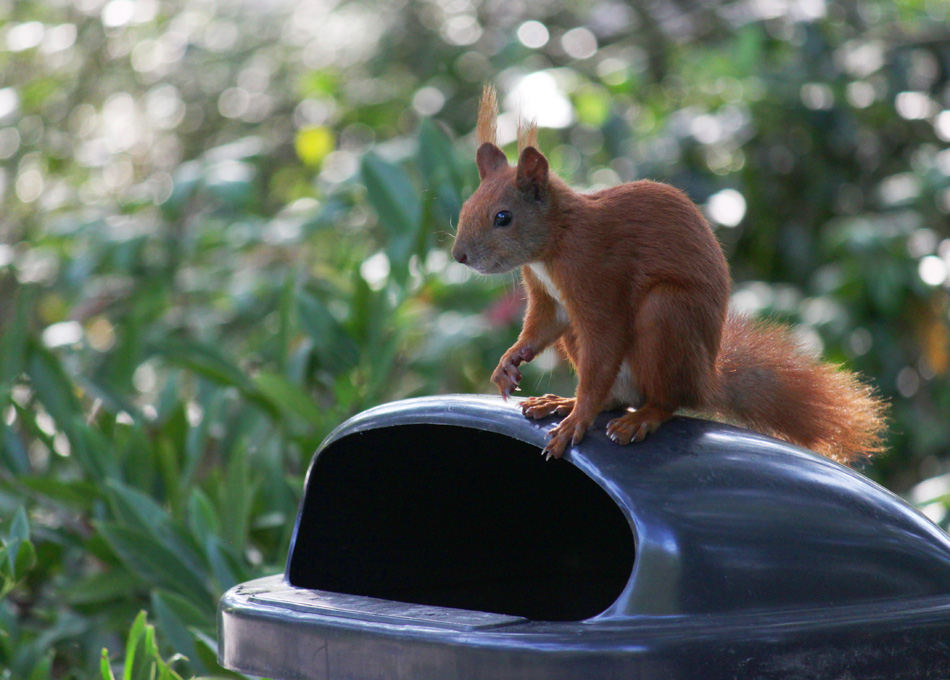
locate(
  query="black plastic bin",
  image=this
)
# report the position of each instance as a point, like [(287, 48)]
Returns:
[(434, 541)]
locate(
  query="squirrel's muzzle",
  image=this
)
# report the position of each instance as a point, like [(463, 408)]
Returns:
[(459, 254)]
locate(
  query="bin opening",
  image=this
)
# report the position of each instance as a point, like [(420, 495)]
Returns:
[(457, 517)]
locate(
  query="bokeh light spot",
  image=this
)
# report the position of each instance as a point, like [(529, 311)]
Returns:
[(726, 207), (533, 34), (579, 43)]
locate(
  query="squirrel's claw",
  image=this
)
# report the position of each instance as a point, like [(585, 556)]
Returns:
[(553, 450), (507, 390)]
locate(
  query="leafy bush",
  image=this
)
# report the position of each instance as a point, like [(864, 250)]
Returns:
[(225, 229), (142, 658)]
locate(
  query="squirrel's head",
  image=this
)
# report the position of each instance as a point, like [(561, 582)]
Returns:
[(504, 224)]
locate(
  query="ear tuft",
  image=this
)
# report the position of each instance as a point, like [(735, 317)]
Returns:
[(527, 133), (532, 173), (486, 131), (489, 158)]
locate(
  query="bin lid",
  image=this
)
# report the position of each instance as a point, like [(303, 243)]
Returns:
[(723, 519), (754, 558)]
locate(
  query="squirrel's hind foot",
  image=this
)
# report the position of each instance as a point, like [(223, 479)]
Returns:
[(541, 407), (634, 426)]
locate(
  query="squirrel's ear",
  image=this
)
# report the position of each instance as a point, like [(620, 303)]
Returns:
[(489, 158), (532, 172)]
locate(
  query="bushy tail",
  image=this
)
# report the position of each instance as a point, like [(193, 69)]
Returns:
[(768, 383)]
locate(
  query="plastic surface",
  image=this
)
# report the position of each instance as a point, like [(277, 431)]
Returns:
[(753, 559)]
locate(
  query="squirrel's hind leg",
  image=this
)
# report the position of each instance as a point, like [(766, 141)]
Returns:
[(674, 354), (634, 426), (541, 407)]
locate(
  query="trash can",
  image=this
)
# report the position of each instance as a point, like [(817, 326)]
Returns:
[(434, 541)]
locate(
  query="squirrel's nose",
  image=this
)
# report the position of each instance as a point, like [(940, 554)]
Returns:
[(460, 257)]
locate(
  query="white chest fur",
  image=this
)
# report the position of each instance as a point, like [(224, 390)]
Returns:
[(624, 390), (540, 271)]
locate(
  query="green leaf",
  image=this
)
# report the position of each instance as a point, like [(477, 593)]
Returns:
[(285, 313), (19, 551), (149, 647), (25, 559), (13, 342), (94, 452), (203, 359), (223, 572), (236, 498), (76, 493), (34, 651), (102, 587), (132, 643), (207, 361), (105, 668), (12, 450), (438, 162), (177, 616), (20, 526), (334, 347), (156, 562), (53, 387), (288, 398), (182, 611), (397, 205), (134, 508), (167, 457), (202, 518), (143, 660), (44, 667)]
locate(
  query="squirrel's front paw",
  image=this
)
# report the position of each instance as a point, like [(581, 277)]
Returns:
[(507, 376), (541, 407), (569, 431)]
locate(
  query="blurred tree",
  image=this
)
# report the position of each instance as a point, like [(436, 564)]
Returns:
[(223, 228)]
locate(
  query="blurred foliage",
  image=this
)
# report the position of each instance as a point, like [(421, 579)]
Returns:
[(142, 658), (224, 228)]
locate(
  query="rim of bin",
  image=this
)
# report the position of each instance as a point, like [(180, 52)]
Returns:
[(724, 520)]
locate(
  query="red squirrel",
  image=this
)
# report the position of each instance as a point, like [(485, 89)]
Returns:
[(632, 286)]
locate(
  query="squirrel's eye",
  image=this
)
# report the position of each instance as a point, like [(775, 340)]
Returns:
[(502, 218)]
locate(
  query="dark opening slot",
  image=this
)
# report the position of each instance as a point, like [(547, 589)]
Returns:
[(454, 517)]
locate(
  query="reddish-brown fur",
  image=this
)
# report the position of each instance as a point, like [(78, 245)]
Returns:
[(632, 285)]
